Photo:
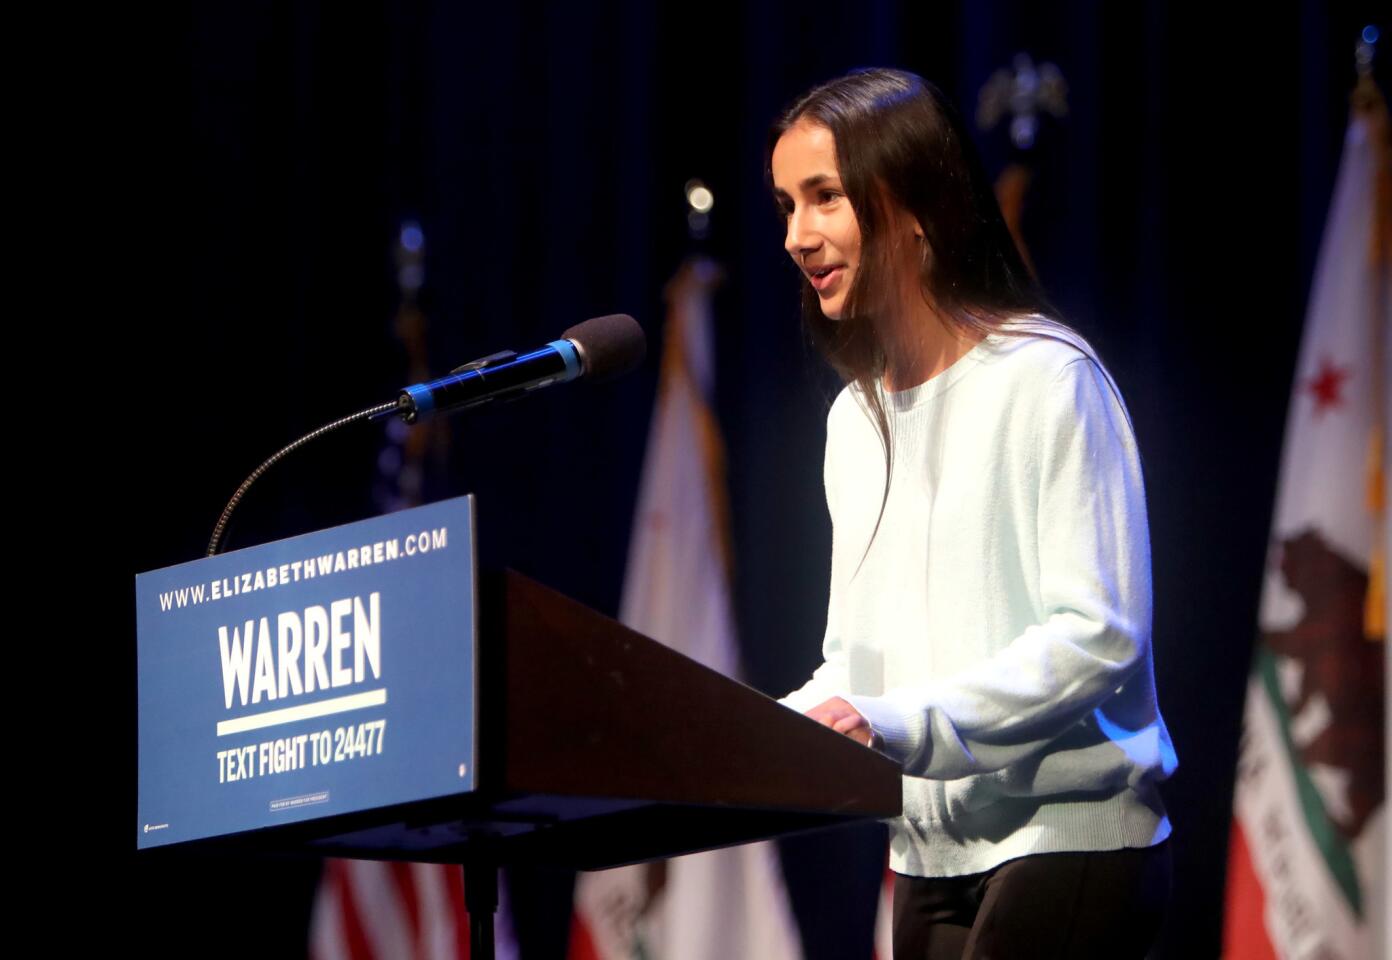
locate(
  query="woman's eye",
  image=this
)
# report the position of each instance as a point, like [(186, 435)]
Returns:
[(826, 196)]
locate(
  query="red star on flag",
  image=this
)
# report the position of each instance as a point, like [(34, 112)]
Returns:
[(1326, 385)]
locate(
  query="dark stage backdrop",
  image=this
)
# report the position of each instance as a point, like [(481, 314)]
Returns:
[(276, 147)]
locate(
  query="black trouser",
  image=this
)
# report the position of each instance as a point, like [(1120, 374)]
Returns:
[(1106, 904)]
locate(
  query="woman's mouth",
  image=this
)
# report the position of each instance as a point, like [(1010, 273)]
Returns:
[(823, 277)]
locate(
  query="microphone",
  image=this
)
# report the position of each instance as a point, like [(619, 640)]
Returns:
[(600, 349)]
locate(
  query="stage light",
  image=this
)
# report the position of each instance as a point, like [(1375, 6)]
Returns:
[(699, 196)]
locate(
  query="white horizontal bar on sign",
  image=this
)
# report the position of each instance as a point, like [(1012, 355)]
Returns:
[(271, 718)]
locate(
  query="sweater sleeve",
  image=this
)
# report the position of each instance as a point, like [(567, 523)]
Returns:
[(832, 678), (828, 680), (1094, 591)]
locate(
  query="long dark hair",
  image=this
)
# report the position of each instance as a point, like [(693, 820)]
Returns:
[(901, 143)]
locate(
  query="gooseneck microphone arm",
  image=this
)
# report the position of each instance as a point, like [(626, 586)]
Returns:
[(597, 349), (371, 413)]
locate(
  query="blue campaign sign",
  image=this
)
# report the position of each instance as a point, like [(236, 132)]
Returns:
[(324, 674)]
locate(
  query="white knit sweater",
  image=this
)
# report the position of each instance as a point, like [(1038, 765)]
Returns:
[(997, 633)]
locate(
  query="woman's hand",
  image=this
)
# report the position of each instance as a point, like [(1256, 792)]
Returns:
[(843, 718)]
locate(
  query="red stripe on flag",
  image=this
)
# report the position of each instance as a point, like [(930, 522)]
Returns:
[(354, 933), (454, 877), (1244, 914), (582, 946), (410, 902)]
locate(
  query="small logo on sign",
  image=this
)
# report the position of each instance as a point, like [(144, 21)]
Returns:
[(156, 826), (303, 800)]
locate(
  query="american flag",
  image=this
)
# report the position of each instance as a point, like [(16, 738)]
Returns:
[(370, 910)]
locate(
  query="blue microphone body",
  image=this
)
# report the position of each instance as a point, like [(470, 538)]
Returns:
[(557, 362), (598, 349)]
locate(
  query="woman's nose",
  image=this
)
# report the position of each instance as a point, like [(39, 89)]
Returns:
[(799, 239)]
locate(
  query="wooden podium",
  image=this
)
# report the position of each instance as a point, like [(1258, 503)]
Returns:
[(596, 747)]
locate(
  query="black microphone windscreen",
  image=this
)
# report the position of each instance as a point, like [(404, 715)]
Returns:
[(611, 346)]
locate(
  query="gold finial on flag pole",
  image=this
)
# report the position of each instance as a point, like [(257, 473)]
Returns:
[(1022, 91), (1364, 50), (1365, 91)]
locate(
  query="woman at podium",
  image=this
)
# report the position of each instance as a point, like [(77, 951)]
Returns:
[(990, 615)]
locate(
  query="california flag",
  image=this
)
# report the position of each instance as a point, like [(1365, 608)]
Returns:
[(1307, 868)]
